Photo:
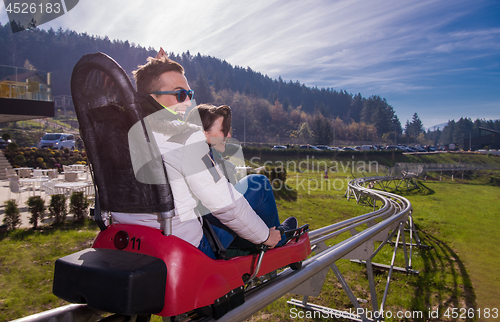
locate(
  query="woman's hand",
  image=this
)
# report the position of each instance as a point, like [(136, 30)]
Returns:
[(274, 237)]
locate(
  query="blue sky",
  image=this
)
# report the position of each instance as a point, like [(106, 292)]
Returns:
[(440, 59)]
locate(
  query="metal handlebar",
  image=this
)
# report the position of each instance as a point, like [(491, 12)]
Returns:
[(263, 248)]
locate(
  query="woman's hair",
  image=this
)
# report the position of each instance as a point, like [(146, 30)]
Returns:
[(208, 114)]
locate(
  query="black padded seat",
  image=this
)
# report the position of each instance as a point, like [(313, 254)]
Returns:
[(112, 281), (107, 106)]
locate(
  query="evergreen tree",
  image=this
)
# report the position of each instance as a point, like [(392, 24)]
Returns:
[(321, 130), (202, 90), (12, 217), (461, 130), (447, 134), (355, 108), (414, 128), (57, 51), (376, 111)]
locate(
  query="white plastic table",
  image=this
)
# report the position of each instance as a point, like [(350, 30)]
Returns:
[(69, 187), (41, 172), (32, 182)]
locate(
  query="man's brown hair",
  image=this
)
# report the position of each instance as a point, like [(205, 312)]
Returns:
[(147, 77)]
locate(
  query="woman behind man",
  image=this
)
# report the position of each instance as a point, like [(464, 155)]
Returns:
[(256, 189), (163, 92)]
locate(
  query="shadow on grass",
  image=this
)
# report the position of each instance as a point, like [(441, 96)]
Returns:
[(420, 190), (443, 283), (285, 193), (494, 181), (23, 233)]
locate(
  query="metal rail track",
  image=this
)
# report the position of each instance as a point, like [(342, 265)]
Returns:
[(383, 223)]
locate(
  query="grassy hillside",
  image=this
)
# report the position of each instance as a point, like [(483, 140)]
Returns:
[(460, 221), (385, 158), (457, 272)]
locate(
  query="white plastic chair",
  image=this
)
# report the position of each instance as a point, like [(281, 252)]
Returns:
[(37, 173), (70, 176), (15, 188), (24, 173), (82, 176), (11, 173), (90, 193), (53, 174), (78, 167), (49, 189), (89, 190)]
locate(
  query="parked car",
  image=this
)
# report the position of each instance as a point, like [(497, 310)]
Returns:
[(402, 148), (391, 147), (278, 147), (307, 146), (367, 147), (3, 144), (323, 147), (348, 148), (57, 141)]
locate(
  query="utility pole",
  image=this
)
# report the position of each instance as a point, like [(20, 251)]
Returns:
[(333, 126), (244, 124), (470, 140), (395, 135), (244, 119)]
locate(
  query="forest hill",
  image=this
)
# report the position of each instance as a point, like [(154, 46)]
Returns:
[(269, 107)]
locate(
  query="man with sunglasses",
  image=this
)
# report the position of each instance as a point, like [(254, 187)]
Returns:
[(163, 80), (193, 175)]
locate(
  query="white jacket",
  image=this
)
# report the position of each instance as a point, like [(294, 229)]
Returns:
[(193, 176)]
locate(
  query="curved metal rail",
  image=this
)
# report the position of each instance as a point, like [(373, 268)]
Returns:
[(392, 216), (383, 224)]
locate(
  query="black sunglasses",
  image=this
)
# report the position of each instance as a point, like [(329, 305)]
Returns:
[(182, 94)]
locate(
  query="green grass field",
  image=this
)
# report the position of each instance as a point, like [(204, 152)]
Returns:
[(27, 266), (463, 222), (459, 220)]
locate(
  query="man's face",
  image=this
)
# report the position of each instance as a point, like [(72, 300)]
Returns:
[(173, 81)]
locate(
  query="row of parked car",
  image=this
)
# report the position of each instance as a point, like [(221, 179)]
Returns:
[(358, 148), (411, 149)]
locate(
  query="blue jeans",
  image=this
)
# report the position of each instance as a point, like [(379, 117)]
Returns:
[(258, 191)]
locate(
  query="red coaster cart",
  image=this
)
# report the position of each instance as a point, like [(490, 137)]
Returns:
[(137, 270)]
